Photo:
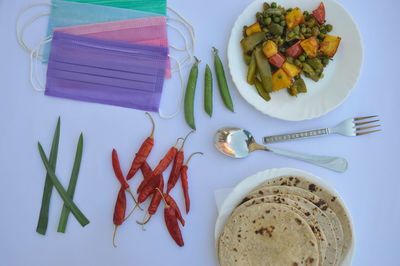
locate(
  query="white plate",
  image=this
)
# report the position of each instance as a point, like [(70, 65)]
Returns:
[(340, 76), (248, 184)]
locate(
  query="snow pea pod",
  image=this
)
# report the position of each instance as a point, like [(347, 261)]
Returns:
[(208, 91), (264, 70), (222, 84), (189, 96), (264, 94)]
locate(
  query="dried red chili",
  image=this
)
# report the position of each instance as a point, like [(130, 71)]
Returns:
[(171, 222), (184, 179), (148, 188), (176, 167), (166, 160), (147, 174), (119, 211), (155, 201), (143, 152), (119, 175), (171, 202)]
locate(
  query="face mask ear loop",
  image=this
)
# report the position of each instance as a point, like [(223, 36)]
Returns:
[(189, 56), (183, 37), (20, 39), (180, 49), (180, 97), (183, 20), (26, 25), (34, 56)]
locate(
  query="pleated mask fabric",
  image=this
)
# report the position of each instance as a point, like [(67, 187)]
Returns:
[(105, 71), (154, 6), (148, 31), (67, 14)]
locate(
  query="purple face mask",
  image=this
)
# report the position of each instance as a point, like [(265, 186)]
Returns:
[(104, 71)]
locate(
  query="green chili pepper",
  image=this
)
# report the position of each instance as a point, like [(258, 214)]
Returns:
[(222, 84), (48, 185), (64, 195), (208, 91), (251, 73), (62, 224), (189, 96)]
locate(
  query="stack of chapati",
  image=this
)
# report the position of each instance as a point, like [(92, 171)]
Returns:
[(286, 220)]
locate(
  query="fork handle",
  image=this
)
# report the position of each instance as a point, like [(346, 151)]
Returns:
[(297, 135), (337, 164)]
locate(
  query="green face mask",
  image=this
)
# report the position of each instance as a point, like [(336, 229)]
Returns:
[(153, 6)]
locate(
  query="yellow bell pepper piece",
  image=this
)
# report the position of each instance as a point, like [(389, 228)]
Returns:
[(329, 45), (294, 18), (291, 70), (280, 80), (270, 48), (310, 46), (253, 28)]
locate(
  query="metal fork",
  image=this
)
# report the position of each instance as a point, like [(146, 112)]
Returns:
[(349, 127)]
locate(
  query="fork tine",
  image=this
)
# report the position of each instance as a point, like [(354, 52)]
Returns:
[(362, 128), (364, 117), (366, 122), (367, 132)]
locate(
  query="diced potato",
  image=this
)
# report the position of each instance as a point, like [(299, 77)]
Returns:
[(253, 28), (294, 18), (291, 70), (329, 45), (280, 80), (310, 46), (270, 48)]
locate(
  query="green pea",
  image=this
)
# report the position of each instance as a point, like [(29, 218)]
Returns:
[(323, 30), (282, 17), (289, 10), (302, 58), (325, 61), (328, 27), (305, 13), (291, 34), (321, 35), (221, 78), (273, 4), (189, 96), (303, 30), (277, 19), (267, 20), (283, 23), (297, 62)]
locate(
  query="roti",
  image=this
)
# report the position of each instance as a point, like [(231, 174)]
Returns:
[(267, 234), (327, 197), (333, 223)]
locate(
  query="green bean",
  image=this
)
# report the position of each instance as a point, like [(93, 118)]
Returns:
[(263, 69), (62, 224), (275, 29), (251, 72), (189, 95), (208, 91), (264, 94), (247, 59), (64, 195), (222, 84), (273, 11), (48, 185)]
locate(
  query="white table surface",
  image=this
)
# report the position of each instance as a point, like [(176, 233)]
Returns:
[(369, 187)]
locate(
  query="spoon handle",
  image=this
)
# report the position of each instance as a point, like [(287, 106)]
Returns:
[(337, 164)]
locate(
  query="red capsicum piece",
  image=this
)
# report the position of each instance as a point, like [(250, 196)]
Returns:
[(277, 60), (319, 13), (295, 50)]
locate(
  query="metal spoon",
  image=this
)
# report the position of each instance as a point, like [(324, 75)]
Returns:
[(239, 143)]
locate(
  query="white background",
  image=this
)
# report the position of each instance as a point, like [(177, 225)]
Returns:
[(369, 187)]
